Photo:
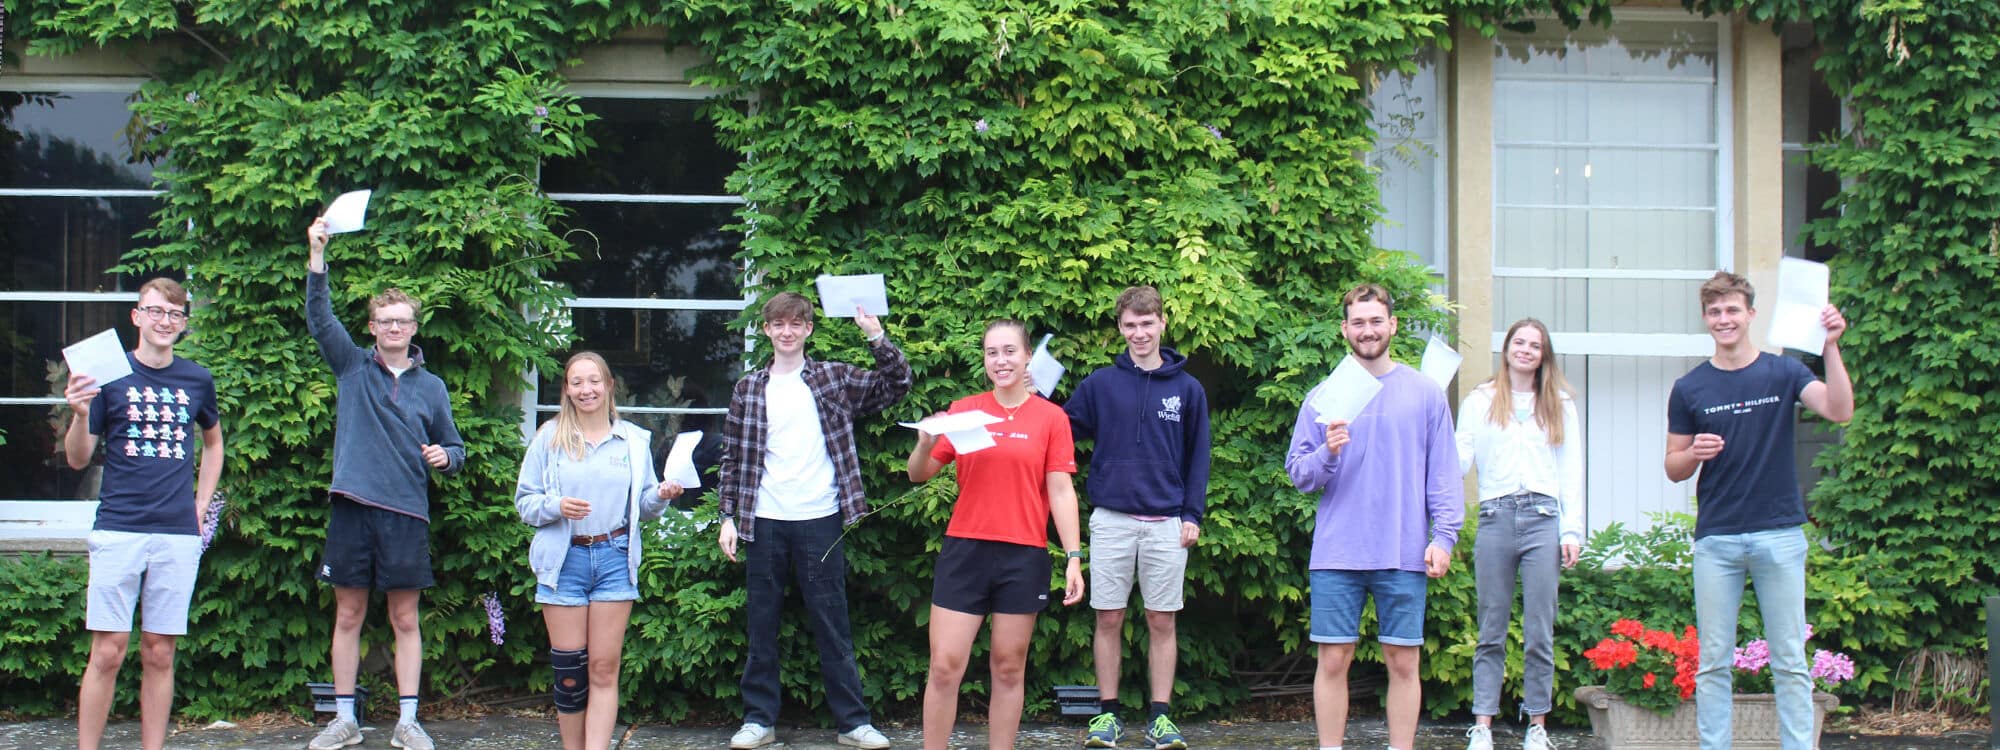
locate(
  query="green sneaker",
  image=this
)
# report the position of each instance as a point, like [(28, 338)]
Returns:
[(1104, 731), (1164, 735)]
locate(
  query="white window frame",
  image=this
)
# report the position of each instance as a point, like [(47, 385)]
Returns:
[(1440, 261)]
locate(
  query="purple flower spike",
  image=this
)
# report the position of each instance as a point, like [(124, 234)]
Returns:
[(496, 621), (210, 519), (980, 126), (541, 111), (1214, 131)]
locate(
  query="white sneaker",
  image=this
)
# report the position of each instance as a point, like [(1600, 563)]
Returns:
[(411, 736), (337, 734), (751, 736), (865, 737), (1537, 739), (1479, 737)]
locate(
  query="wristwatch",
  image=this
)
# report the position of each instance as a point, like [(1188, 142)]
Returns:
[(1075, 554)]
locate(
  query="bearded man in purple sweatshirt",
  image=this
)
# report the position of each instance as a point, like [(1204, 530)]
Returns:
[(1390, 507)]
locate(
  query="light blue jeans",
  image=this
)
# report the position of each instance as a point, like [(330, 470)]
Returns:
[(1775, 561)]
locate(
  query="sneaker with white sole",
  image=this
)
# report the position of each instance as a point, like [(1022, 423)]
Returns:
[(751, 736), (411, 736), (865, 737), (1479, 737), (337, 734), (1537, 739)]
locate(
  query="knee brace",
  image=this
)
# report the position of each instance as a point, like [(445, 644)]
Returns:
[(572, 686)]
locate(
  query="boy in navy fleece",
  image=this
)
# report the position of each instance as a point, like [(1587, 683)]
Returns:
[(392, 428), (1148, 476)]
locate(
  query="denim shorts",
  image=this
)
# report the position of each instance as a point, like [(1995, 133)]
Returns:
[(592, 573), (1338, 596)]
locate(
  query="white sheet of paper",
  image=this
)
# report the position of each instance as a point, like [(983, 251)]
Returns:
[(100, 356), (1044, 368), (680, 461), (348, 213), (1345, 393), (1440, 362), (838, 295), (966, 429), (1802, 294)]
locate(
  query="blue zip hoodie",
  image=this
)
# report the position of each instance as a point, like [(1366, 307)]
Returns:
[(1151, 428), (381, 420)]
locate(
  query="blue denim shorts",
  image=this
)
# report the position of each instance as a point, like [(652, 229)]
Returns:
[(1338, 596), (592, 573)]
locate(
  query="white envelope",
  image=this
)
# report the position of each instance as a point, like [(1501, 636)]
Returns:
[(1044, 369), (839, 295), (348, 213), (1345, 393), (100, 356), (680, 461), (1440, 362), (1802, 294), (966, 429)]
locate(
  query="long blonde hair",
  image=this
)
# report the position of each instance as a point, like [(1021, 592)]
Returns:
[(1550, 386), (568, 435)]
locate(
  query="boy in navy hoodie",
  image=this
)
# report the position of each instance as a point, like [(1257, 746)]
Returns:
[(1148, 478)]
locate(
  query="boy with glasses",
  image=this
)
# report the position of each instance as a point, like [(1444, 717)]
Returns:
[(392, 427), (145, 546)]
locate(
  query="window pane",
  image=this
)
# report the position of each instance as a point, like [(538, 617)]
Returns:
[(653, 250), (66, 244), (1602, 305), (33, 457), (682, 358), (42, 329), (1407, 117), (1656, 50), (645, 147), (81, 140)]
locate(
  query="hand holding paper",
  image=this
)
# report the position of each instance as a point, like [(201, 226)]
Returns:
[(100, 357), (1345, 393), (680, 468), (1802, 297), (348, 213), (839, 295)]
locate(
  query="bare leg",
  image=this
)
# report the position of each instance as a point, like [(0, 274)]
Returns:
[(409, 640), (1107, 645), (1163, 652), (1009, 665), (1330, 692), (568, 631), (1405, 693), (350, 609), (607, 646), (100, 684), (156, 688), (952, 633)]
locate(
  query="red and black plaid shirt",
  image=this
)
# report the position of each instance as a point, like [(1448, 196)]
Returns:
[(842, 392)]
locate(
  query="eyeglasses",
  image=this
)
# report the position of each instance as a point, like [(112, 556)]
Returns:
[(396, 324), (156, 313)]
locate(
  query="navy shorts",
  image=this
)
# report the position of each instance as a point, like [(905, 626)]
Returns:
[(981, 577), (372, 548)]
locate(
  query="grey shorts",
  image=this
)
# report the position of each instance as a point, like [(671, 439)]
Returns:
[(1124, 549), (154, 571)]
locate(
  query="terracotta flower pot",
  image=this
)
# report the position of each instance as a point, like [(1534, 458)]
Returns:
[(1623, 726)]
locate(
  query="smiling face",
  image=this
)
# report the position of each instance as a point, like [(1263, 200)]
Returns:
[(1142, 333), (587, 387), (393, 325), (1728, 319), (1368, 329), (161, 332), (1006, 354), (1525, 347), (788, 335)]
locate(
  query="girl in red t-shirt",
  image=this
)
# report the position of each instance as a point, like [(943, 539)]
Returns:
[(995, 555)]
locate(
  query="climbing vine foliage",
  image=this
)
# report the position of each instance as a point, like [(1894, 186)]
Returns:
[(1021, 159)]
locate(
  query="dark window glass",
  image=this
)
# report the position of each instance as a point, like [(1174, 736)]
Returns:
[(652, 250), (67, 244), (77, 140), (38, 333), (645, 147), (33, 457), (675, 358)]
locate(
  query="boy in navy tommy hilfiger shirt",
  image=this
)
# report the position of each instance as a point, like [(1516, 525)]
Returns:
[(1147, 486)]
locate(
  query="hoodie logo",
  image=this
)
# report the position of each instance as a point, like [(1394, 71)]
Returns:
[(1170, 409)]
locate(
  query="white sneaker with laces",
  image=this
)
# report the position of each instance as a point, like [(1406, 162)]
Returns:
[(1479, 737), (752, 736), (411, 736), (1537, 739), (337, 734), (865, 737)]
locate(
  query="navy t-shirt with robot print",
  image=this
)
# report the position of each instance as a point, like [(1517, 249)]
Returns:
[(150, 423)]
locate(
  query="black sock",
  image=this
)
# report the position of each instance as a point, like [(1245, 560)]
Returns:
[(1159, 709), (1108, 706)]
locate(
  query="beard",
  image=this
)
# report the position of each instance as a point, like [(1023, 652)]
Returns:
[(1370, 350)]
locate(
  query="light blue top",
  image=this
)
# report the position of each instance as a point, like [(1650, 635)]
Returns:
[(1394, 489), (619, 488)]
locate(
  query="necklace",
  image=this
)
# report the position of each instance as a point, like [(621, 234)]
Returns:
[(1010, 411)]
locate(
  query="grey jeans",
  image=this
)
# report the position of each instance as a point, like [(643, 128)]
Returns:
[(1518, 534)]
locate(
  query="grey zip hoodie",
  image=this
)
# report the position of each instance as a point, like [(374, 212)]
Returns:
[(381, 420)]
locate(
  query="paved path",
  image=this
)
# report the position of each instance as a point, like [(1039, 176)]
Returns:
[(506, 733)]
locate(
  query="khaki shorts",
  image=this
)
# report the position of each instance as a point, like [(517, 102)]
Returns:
[(1122, 546)]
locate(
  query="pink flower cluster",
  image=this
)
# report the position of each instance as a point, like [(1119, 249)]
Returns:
[(1829, 667)]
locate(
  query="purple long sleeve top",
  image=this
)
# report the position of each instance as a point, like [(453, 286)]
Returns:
[(1394, 489)]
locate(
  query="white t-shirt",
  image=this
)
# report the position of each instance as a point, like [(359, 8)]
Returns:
[(798, 483)]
